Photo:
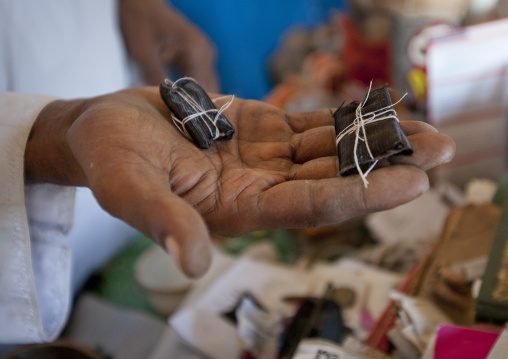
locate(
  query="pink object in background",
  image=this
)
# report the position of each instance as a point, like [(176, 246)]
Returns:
[(455, 342)]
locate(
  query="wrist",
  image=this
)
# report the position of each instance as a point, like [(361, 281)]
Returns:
[(48, 157)]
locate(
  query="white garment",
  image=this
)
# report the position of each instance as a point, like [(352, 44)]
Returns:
[(34, 294), (61, 48), (66, 49)]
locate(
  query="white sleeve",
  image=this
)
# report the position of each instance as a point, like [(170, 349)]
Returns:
[(34, 266)]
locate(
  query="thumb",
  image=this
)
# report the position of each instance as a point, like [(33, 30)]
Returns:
[(181, 231), (150, 206)]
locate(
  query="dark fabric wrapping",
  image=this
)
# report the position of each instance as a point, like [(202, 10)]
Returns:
[(199, 127), (385, 138)]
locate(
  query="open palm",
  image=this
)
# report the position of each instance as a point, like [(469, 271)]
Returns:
[(279, 171)]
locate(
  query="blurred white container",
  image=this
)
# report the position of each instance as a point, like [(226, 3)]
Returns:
[(157, 274)]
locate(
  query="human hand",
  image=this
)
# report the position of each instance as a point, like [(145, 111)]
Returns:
[(157, 35), (279, 170)]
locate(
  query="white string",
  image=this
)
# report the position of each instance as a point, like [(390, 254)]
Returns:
[(358, 125), (200, 111)]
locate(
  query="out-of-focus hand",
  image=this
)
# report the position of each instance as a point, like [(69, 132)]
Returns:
[(279, 170), (157, 35)]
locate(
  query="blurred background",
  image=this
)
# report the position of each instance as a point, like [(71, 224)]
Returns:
[(304, 55), (247, 32), (450, 59)]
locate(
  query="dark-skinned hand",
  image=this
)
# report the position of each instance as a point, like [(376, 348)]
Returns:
[(157, 36), (279, 170)]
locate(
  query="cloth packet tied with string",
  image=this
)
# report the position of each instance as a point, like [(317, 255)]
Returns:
[(368, 132), (194, 113)]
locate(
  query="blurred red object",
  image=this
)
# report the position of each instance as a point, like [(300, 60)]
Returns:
[(365, 60)]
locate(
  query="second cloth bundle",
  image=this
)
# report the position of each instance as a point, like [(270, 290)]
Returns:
[(368, 132)]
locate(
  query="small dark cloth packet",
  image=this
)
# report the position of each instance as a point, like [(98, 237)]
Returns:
[(385, 137), (187, 99)]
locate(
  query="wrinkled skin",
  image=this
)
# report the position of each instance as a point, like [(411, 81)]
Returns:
[(157, 36), (279, 171)]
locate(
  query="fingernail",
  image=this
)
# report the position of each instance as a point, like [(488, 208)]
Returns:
[(173, 249)]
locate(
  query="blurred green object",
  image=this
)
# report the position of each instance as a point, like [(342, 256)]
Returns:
[(115, 282), (502, 190), (284, 242), (492, 302)]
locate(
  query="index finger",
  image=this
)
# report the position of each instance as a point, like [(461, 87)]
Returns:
[(303, 121)]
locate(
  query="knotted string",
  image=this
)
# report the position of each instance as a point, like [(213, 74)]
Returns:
[(200, 111), (358, 127)]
